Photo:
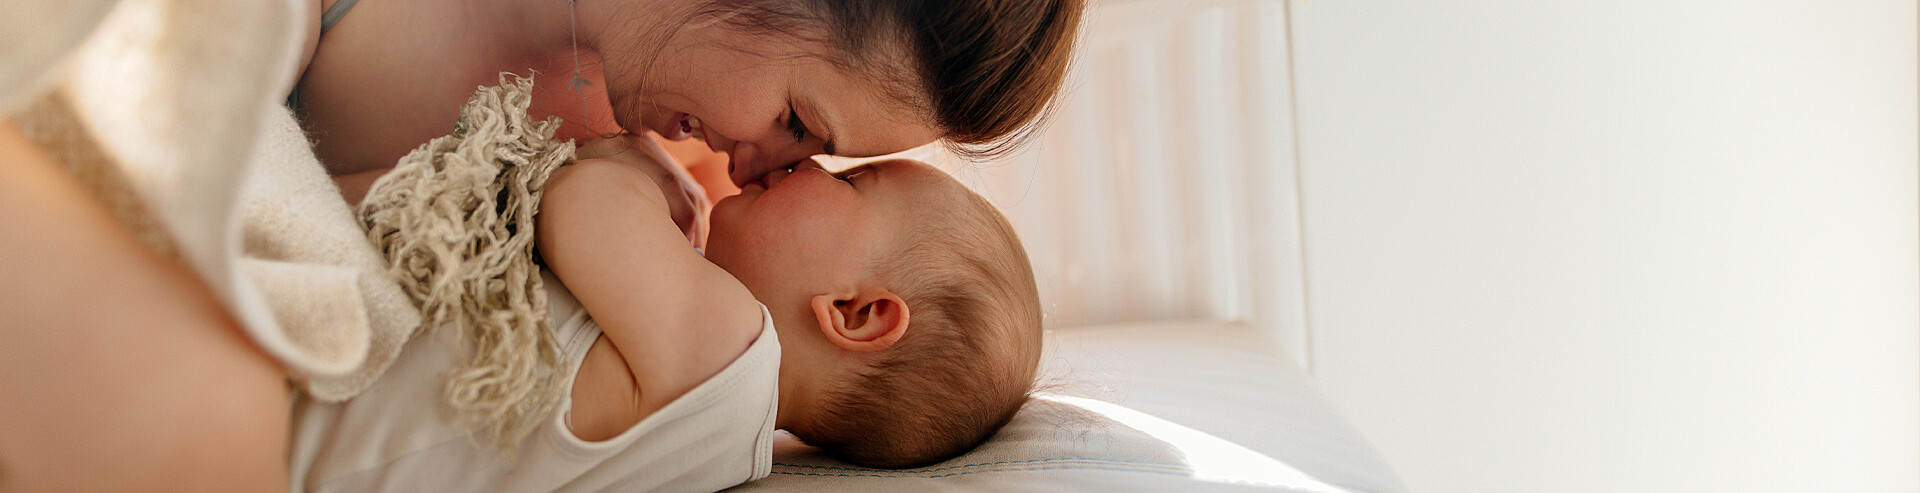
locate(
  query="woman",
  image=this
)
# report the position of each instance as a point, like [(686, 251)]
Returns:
[(124, 372), (768, 82)]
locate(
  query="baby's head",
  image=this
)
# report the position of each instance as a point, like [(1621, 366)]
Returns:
[(908, 319)]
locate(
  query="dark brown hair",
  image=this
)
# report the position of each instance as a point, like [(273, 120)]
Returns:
[(968, 360), (984, 70)]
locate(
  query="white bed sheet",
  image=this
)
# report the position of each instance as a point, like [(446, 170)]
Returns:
[(1160, 406)]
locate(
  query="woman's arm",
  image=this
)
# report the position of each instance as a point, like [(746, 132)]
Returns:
[(677, 319), (119, 371)]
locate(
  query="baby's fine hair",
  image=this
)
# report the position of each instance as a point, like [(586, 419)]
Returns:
[(968, 360)]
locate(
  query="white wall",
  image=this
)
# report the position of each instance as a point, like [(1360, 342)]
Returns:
[(1119, 220), (1634, 245)]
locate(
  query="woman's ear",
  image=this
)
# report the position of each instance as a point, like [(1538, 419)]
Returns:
[(869, 320)]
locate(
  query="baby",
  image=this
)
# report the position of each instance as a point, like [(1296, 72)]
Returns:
[(885, 314)]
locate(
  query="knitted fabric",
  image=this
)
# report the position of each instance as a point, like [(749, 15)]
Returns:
[(455, 221)]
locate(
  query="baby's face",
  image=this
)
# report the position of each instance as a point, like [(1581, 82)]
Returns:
[(790, 233)]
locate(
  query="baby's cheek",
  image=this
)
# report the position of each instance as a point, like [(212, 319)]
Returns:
[(722, 221)]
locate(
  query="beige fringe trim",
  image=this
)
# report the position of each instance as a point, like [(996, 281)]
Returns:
[(455, 221)]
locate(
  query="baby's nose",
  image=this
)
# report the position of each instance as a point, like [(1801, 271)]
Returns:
[(773, 177), (746, 163)]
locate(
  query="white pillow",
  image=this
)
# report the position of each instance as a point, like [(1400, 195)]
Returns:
[(1228, 413)]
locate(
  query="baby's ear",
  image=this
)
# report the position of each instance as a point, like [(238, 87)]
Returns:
[(864, 320)]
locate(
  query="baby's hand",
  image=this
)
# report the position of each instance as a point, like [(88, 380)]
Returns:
[(686, 200)]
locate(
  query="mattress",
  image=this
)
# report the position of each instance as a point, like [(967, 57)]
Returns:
[(1156, 406)]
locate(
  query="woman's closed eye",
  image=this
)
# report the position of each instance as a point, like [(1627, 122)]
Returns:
[(795, 126)]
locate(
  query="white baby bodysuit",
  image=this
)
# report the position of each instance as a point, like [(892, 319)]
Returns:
[(395, 436)]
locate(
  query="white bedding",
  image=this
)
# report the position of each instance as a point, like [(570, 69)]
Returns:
[(1163, 406)]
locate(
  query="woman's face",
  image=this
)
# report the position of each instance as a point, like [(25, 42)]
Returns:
[(767, 101)]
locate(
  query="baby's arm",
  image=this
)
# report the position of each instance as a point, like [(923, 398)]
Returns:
[(686, 201), (604, 230)]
